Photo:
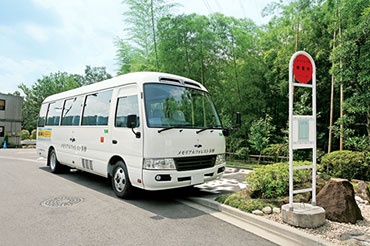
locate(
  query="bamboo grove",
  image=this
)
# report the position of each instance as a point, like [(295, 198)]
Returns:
[(245, 66)]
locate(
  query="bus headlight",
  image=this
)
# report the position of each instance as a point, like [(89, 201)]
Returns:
[(220, 159), (167, 163)]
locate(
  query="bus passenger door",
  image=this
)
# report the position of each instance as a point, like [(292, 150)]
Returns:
[(124, 141)]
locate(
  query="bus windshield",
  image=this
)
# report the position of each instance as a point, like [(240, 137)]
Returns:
[(176, 106)]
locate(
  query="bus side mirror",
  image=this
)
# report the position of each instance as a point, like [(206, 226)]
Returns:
[(225, 132), (238, 119), (132, 123)]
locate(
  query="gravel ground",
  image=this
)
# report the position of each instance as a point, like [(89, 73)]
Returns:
[(331, 231)]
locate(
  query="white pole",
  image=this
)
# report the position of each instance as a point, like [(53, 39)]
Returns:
[(314, 150), (291, 132)]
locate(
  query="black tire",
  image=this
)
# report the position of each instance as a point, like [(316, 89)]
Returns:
[(121, 184), (54, 164)]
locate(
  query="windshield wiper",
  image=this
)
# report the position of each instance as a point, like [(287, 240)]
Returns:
[(207, 128), (173, 127)]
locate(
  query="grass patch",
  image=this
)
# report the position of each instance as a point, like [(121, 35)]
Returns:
[(242, 201)]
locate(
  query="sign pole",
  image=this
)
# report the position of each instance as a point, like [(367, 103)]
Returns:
[(314, 151), (302, 128), (291, 133), (302, 135)]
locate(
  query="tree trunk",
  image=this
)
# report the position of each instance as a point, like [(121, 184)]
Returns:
[(154, 37), (341, 85), (187, 55), (236, 69), (201, 64), (259, 158), (332, 98), (296, 49)]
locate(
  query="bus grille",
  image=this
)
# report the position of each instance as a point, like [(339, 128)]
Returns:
[(194, 163)]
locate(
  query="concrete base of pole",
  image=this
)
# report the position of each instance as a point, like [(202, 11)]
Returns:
[(303, 215)]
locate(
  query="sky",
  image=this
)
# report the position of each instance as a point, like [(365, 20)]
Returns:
[(39, 37)]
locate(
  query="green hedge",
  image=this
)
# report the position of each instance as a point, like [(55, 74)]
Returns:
[(347, 164), (272, 181), (33, 134), (25, 134)]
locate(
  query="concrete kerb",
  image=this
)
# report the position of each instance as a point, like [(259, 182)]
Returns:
[(293, 234)]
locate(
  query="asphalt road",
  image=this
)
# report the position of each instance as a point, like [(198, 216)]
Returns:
[(28, 215)]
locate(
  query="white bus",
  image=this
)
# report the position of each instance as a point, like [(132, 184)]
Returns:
[(148, 130)]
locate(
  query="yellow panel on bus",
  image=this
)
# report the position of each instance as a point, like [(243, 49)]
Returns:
[(44, 133)]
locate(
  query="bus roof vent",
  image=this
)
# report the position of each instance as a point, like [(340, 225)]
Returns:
[(191, 83), (164, 79)]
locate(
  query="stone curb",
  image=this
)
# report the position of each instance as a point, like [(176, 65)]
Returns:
[(293, 234)]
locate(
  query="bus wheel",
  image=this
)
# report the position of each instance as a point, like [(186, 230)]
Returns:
[(120, 182), (54, 164)]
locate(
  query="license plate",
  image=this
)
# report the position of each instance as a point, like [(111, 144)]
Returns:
[(197, 179)]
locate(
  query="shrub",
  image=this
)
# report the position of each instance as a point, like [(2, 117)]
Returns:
[(33, 134), (272, 181), (242, 153), (237, 200), (25, 134), (347, 164), (276, 150)]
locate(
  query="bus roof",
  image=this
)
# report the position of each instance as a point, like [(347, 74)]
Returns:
[(137, 77)]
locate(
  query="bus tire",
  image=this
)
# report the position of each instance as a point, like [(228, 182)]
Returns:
[(53, 162), (121, 184)]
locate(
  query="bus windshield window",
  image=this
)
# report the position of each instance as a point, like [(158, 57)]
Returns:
[(171, 106)]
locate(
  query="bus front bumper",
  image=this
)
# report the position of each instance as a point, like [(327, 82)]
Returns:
[(168, 179)]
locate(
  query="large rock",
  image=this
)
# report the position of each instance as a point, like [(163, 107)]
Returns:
[(363, 191), (338, 199)]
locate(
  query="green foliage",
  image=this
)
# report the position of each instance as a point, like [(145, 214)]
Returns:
[(260, 133), (242, 153), (347, 164), (25, 134), (140, 54), (239, 201), (33, 134), (222, 198), (353, 54), (276, 150), (34, 95), (245, 66), (272, 181), (92, 75)]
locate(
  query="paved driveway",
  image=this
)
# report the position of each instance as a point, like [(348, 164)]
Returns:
[(30, 212)]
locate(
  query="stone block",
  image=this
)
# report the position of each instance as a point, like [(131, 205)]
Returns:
[(303, 215)]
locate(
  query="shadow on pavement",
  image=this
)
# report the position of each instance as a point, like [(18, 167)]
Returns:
[(163, 203)]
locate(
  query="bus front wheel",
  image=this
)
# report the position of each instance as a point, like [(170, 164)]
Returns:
[(120, 181)]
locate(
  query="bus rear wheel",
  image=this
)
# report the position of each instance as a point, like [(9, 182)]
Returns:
[(54, 164), (120, 181)]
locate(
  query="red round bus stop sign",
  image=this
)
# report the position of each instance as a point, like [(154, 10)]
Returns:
[(302, 69)]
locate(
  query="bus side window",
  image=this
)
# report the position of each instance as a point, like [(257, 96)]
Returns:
[(54, 113), (71, 111), (96, 109), (42, 115), (126, 106)]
